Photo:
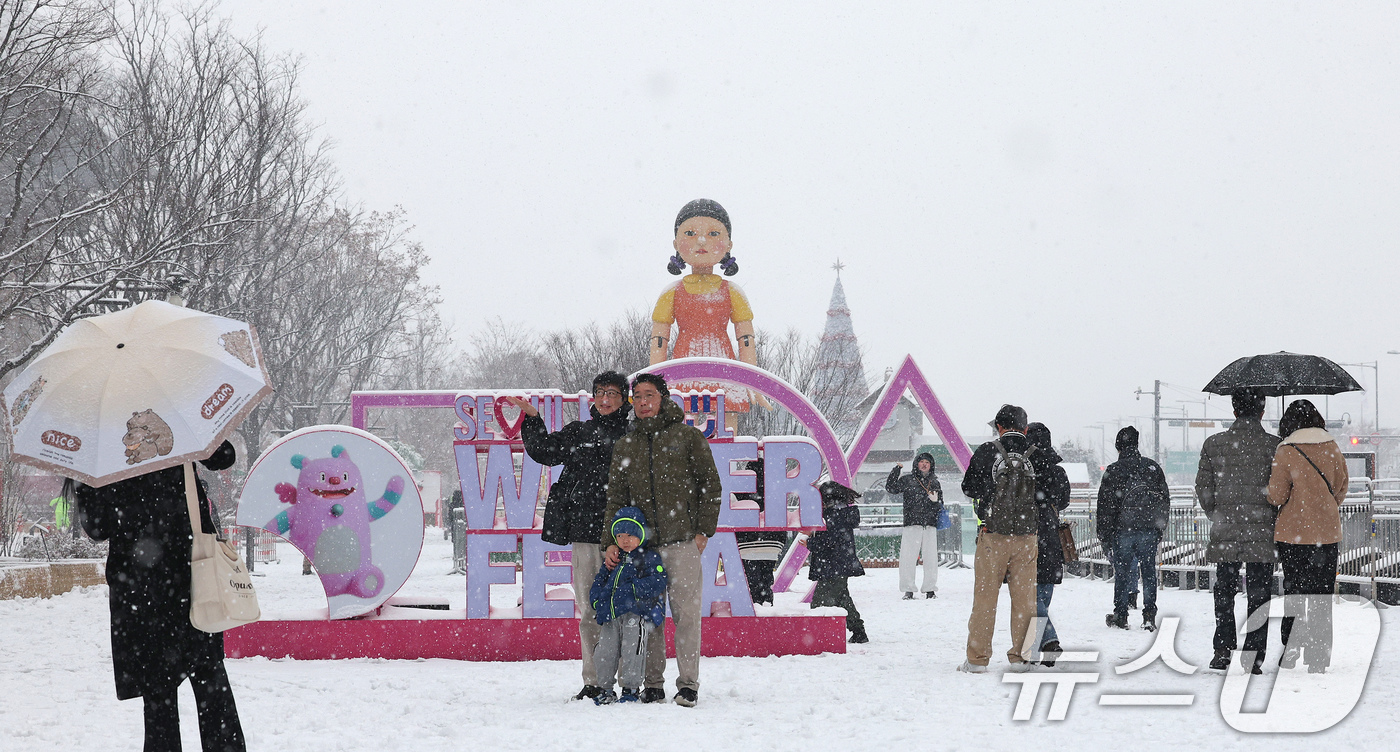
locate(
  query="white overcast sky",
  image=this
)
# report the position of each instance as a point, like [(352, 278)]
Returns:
[(1045, 203)]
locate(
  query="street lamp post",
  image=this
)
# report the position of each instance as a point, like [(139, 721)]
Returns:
[(1103, 446), (1376, 367)]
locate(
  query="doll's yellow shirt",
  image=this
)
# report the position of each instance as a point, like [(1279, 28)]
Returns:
[(701, 284)]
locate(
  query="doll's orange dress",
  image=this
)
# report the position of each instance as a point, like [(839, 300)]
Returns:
[(702, 306)]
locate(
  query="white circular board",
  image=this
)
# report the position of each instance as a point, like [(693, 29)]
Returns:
[(348, 502)]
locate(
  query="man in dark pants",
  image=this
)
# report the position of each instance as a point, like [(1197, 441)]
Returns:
[(1134, 503), (1232, 487)]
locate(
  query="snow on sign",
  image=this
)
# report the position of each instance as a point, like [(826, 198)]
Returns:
[(502, 488)]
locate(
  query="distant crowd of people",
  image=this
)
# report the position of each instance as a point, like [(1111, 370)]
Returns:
[(1271, 500)]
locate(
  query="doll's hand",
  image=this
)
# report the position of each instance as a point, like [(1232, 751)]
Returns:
[(524, 405)]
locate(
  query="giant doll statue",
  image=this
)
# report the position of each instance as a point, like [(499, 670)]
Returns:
[(702, 305)]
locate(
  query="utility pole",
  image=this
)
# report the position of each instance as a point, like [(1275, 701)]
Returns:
[(1156, 418)]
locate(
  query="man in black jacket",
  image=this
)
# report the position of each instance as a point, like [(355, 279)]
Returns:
[(1001, 481), (1051, 498), (1134, 503), (573, 516), (923, 500)]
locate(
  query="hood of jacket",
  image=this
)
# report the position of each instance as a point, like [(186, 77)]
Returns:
[(1046, 456), (932, 466), (670, 415), (1309, 436)]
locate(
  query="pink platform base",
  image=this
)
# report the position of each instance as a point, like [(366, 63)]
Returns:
[(516, 639)]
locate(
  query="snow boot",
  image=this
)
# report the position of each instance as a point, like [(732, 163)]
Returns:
[(1221, 661), (908, 597), (588, 692), (859, 638), (972, 668), (1290, 658), (1114, 620), (605, 697), (653, 694), (629, 695), (930, 595), (1049, 653), (687, 698), (1149, 621)]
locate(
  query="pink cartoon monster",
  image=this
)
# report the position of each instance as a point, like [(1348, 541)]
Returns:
[(329, 521)]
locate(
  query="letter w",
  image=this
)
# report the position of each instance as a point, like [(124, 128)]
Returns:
[(479, 496)]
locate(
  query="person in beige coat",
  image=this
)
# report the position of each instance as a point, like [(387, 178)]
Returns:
[(1308, 484)]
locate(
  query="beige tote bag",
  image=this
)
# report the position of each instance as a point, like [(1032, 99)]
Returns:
[(221, 592)]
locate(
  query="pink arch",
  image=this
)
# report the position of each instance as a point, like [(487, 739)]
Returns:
[(759, 380)]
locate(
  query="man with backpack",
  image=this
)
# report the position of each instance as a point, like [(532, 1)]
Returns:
[(1001, 480), (1134, 503)]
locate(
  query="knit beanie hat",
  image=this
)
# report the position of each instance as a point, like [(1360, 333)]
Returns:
[(630, 521)]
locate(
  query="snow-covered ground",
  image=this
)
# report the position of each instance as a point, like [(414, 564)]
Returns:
[(898, 692)]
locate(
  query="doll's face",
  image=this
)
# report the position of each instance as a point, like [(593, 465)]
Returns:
[(702, 241)]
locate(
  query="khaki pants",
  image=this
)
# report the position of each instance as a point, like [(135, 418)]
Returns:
[(1000, 556), (587, 559), (683, 589)]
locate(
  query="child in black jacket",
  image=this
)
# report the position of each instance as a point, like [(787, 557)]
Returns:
[(834, 555)]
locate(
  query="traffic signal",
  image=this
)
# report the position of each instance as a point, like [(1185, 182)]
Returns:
[(1355, 440)]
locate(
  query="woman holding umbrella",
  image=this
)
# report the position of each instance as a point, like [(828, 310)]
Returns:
[(154, 646), (126, 403), (1308, 484)]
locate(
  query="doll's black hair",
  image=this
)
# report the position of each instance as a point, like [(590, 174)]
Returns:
[(729, 265), (704, 207)]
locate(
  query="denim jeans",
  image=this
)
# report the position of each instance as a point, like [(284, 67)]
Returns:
[(1043, 594), (1140, 547)]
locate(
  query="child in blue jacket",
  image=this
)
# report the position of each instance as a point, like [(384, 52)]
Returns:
[(629, 601)]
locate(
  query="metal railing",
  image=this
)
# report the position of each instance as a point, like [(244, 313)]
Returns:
[(1369, 550), (882, 524), (264, 544)]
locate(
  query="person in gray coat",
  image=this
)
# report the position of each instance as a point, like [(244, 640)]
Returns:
[(1232, 485)]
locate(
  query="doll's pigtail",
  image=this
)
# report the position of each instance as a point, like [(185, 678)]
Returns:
[(729, 264), (676, 265)]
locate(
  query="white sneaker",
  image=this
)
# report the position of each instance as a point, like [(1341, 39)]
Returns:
[(972, 668), (1019, 668)]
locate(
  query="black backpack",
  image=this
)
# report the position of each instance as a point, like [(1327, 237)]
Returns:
[(1013, 510)]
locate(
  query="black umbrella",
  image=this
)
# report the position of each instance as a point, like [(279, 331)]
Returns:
[(1282, 373)]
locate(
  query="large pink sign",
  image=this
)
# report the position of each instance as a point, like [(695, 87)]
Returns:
[(502, 487)]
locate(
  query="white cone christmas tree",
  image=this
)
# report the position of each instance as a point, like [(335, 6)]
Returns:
[(839, 383)]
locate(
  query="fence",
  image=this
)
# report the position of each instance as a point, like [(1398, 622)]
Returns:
[(264, 545), (881, 524), (1369, 558)]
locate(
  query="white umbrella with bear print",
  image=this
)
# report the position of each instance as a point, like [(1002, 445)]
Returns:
[(146, 388)]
